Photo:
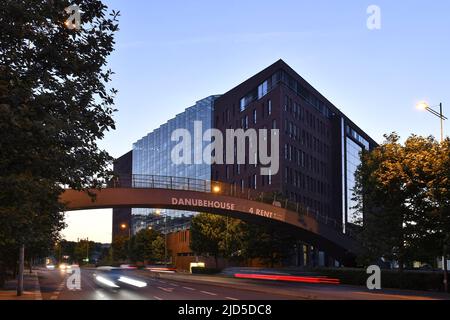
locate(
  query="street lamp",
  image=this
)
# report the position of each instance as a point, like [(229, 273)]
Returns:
[(423, 105), (158, 213), (87, 250), (124, 226), (216, 189)]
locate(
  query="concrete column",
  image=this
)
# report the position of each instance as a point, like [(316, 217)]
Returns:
[(300, 254), (310, 255), (316, 256)]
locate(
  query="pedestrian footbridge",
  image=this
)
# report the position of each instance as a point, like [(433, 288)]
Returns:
[(142, 191)]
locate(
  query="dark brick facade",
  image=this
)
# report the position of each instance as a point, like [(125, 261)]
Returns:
[(122, 168), (310, 127)]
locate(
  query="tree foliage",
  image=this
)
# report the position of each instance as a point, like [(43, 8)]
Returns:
[(119, 248), (54, 105), (207, 235), (237, 240), (142, 245), (267, 243), (403, 194)]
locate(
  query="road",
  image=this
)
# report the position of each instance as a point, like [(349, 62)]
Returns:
[(53, 287), (187, 287)]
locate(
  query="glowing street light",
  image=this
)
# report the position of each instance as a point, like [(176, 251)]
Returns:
[(216, 189), (424, 106)]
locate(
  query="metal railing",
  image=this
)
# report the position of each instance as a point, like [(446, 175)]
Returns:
[(222, 188)]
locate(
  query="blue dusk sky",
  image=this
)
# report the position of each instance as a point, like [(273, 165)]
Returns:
[(169, 54)]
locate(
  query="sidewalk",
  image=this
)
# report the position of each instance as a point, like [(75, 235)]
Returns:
[(30, 286)]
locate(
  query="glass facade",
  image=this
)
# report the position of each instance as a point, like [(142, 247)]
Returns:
[(353, 161), (152, 156), (352, 146)]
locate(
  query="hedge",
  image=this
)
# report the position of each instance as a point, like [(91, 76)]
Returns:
[(200, 270), (411, 280)]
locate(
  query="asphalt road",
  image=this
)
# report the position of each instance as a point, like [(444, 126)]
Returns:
[(187, 287), (53, 287)]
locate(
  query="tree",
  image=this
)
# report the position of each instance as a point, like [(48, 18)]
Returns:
[(119, 248), (430, 161), (272, 246), (238, 240), (159, 248), (141, 248), (207, 234), (403, 194), (84, 250), (381, 196), (54, 106)]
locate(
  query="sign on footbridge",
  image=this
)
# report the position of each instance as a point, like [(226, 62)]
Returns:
[(196, 195)]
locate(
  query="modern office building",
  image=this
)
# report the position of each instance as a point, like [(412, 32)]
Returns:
[(122, 216), (151, 155), (319, 145), (319, 152)]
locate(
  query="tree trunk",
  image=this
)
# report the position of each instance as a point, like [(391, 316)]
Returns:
[(30, 265), (21, 269), (444, 261), (2, 275), (216, 261)]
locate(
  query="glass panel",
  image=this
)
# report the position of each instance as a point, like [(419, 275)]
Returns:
[(353, 161), (151, 156)]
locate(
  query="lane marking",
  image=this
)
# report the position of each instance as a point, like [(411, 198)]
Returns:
[(166, 289), (230, 298), (189, 288), (157, 298), (37, 287), (58, 291), (210, 293)]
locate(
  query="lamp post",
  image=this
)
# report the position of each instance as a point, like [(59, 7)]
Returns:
[(124, 226), (423, 105), (87, 250), (158, 213)]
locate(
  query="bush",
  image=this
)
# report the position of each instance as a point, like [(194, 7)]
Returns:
[(411, 280), (200, 270)]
